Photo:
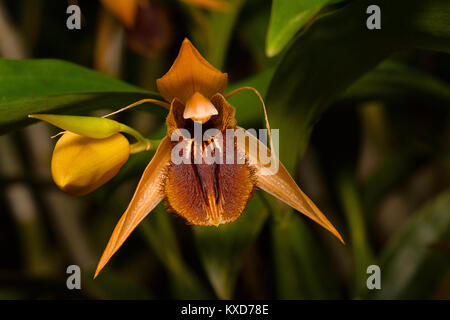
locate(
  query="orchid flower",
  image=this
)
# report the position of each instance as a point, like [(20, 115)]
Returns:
[(204, 193)]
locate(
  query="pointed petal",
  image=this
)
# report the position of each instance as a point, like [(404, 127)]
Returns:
[(147, 195), (282, 186), (191, 73)]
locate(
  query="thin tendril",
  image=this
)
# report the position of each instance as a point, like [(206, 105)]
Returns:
[(232, 93), (157, 102), (58, 134)]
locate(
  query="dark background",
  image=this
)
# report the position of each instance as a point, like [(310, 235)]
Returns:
[(374, 158)]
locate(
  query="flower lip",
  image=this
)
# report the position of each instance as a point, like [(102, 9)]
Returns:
[(191, 73)]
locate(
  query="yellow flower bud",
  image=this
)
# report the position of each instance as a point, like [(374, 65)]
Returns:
[(80, 164)]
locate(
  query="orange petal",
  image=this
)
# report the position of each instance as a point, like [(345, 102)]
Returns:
[(191, 73), (282, 186), (147, 195)]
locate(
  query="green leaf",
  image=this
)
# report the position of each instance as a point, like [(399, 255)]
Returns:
[(54, 86), (222, 248), (253, 34), (414, 262), (114, 286), (286, 18), (301, 267), (248, 107), (390, 171), (394, 81), (362, 252), (220, 31), (325, 60), (336, 50), (160, 235)]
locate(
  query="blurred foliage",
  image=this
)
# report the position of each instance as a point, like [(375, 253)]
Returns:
[(288, 17), (47, 86), (364, 126)]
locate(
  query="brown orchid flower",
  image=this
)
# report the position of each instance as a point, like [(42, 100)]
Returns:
[(205, 193)]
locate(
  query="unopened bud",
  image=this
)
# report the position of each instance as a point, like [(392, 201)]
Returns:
[(81, 164)]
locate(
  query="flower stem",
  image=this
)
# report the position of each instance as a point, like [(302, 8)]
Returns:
[(143, 144)]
